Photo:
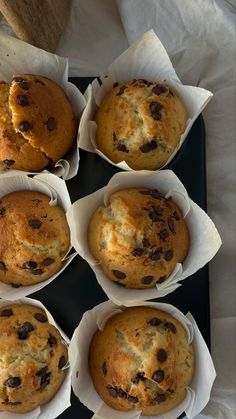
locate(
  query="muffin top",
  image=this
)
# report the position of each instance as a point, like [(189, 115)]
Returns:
[(34, 238), (141, 360), (32, 357), (140, 122), (138, 238), (37, 125)]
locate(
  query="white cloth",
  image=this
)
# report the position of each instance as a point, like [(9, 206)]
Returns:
[(199, 36)]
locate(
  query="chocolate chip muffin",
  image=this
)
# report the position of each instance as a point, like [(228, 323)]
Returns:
[(138, 238), (141, 360), (37, 125), (32, 358), (34, 238), (140, 122)]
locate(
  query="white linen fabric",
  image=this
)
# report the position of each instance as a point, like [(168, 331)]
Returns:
[(199, 37)]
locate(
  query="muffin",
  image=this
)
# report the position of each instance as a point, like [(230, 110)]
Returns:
[(141, 360), (138, 238), (32, 358), (34, 238), (37, 125), (140, 122)]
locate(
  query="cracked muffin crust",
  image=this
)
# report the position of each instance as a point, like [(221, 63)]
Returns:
[(32, 357), (37, 125), (34, 238), (141, 360), (138, 238), (140, 122)]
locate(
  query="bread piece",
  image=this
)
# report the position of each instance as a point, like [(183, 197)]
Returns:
[(32, 356), (37, 125), (138, 238), (141, 360), (140, 122), (34, 238)]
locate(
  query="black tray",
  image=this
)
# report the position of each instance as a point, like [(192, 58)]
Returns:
[(76, 289)]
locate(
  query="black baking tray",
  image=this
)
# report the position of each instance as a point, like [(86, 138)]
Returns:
[(76, 289)]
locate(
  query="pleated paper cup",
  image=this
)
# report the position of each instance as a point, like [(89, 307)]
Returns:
[(56, 189), (19, 57), (197, 394), (61, 400), (144, 59), (204, 237)]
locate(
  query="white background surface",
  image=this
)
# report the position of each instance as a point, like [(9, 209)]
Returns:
[(199, 36)]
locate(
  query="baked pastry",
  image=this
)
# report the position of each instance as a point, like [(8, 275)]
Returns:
[(32, 357), (140, 122), (138, 238), (37, 125), (34, 238), (141, 360)]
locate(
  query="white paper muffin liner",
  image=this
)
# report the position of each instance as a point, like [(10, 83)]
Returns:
[(56, 189), (204, 237), (19, 57), (61, 400), (144, 59), (198, 393)]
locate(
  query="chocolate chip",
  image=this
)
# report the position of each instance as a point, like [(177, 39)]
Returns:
[(122, 147), (15, 285), (155, 108), (170, 326), (119, 274), (138, 251), (39, 82), (155, 255), (121, 393), (37, 271), (18, 79), (160, 397), (40, 317), (147, 147), (158, 376), (159, 89), (145, 242), (176, 215), (161, 355), (22, 100), (139, 377), (7, 312), (168, 255), (2, 212), (104, 368), (164, 234), (145, 82), (161, 279), (8, 163), (9, 403), (24, 330), (147, 279), (24, 126), (121, 91), (24, 85), (62, 362), (132, 399), (114, 137), (48, 261), (154, 193), (45, 380), (171, 225), (155, 321), (42, 372), (3, 266), (51, 123), (112, 391), (12, 382), (30, 264), (156, 213), (52, 340), (115, 84), (34, 223)]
